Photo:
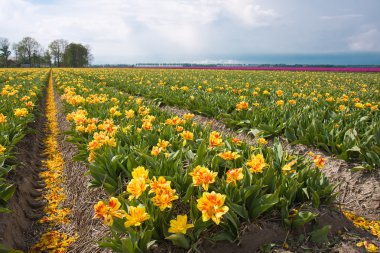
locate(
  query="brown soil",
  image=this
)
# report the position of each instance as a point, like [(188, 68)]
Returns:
[(80, 198), (20, 229), (253, 237)]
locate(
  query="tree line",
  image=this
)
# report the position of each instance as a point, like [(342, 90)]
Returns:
[(29, 53)]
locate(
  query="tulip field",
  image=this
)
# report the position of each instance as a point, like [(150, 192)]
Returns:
[(337, 112), (169, 183)]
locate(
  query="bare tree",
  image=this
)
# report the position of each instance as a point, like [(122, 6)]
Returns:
[(47, 58), (18, 54), (90, 56), (28, 48), (38, 55), (4, 50), (57, 49)]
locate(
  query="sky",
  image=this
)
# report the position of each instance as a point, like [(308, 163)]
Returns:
[(203, 31)]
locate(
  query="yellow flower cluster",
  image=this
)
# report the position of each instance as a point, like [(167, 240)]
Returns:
[(370, 247), (262, 141), (187, 135), (211, 206), (242, 106), (135, 217), (319, 161), (229, 155), (97, 98), (215, 140), (188, 116), (234, 175), (2, 149), (107, 212), (202, 176), (175, 121), (8, 91), (162, 145), (372, 226), (256, 163), (3, 118), (53, 242), (287, 168), (21, 112), (72, 98), (179, 225), (165, 195)]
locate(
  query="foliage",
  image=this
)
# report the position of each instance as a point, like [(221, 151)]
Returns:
[(76, 55)]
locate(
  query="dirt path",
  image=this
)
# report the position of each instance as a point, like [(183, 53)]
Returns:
[(80, 198)]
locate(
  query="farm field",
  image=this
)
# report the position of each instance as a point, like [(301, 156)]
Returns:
[(173, 160), (337, 112)]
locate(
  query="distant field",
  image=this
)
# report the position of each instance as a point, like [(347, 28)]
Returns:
[(318, 69)]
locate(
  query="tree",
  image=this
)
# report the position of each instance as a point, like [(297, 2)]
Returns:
[(18, 53), (76, 55), (57, 49), (27, 50), (90, 56), (47, 58), (4, 51)]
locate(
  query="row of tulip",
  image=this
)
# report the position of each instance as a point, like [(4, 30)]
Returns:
[(19, 94), (166, 175)]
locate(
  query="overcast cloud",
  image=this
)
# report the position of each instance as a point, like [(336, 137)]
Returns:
[(130, 31)]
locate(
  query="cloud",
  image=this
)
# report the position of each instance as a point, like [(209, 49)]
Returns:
[(135, 27), (183, 23), (13, 15), (341, 17), (197, 12), (366, 41), (221, 61), (128, 31), (248, 12)]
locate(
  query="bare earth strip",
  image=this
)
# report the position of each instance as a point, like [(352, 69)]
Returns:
[(80, 198)]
